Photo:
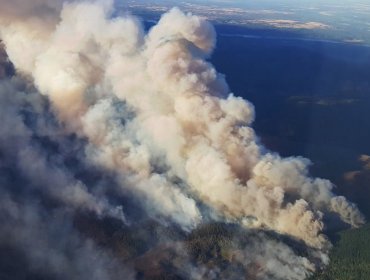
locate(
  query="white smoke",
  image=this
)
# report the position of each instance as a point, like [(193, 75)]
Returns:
[(45, 174), (40, 196), (158, 115), (51, 245)]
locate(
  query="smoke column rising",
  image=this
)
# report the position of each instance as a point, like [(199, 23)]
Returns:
[(158, 116)]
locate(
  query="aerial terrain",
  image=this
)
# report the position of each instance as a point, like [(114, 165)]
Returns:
[(184, 139)]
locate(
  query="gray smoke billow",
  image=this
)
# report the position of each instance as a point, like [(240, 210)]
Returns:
[(102, 117)]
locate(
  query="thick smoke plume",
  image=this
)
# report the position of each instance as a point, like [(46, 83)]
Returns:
[(148, 111)]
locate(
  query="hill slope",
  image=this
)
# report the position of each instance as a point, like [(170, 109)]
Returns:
[(350, 257)]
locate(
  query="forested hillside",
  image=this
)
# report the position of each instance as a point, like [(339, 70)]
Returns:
[(350, 257)]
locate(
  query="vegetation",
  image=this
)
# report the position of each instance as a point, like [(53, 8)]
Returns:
[(350, 257), (159, 252), (209, 242)]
